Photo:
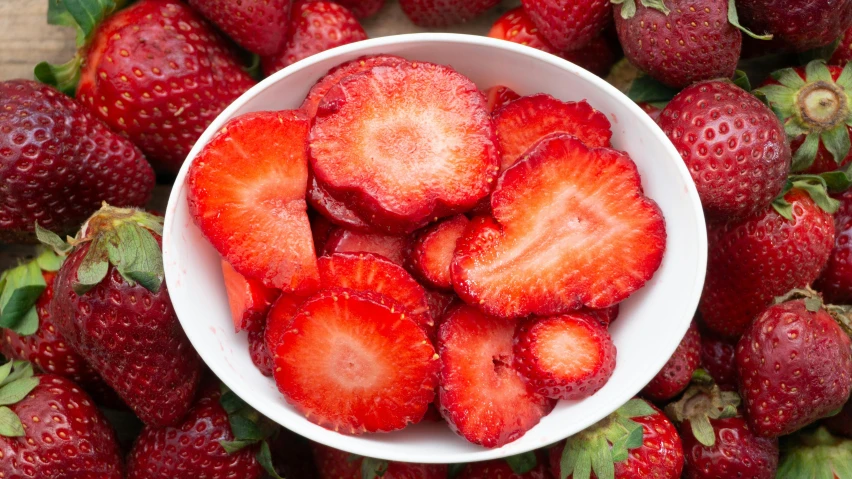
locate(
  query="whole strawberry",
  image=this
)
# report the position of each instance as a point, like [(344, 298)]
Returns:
[(718, 359), (733, 145), (755, 259), (569, 24), (815, 105), (335, 464), (656, 453), (795, 366), (522, 466), (815, 454), (676, 374), (58, 163), (259, 26), (156, 72), (679, 42), (835, 281), (843, 54), (315, 26), (439, 13), (799, 25), (112, 306), (52, 430), (362, 8)]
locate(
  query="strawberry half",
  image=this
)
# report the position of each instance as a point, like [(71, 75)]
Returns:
[(249, 299), (246, 192), (352, 362), (500, 96), (405, 145), (373, 273), (343, 240), (482, 397), (525, 121), (571, 228), (564, 357), (430, 254)]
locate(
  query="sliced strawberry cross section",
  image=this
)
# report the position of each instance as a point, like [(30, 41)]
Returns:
[(343, 240), (430, 253), (249, 299)]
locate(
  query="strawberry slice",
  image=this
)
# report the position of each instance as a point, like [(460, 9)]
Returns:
[(332, 208), (439, 303), (571, 228), (405, 145), (249, 299), (259, 353), (604, 316), (430, 253), (482, 397), (500, 96), (279, 317), (246, 192), (523, 122), (343, 240), (374, 273), (564, 357), (333, 77), (352, 362), (321, 229)]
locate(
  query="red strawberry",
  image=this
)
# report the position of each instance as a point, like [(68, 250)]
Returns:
[(557, 372), (524, 466), (755, 259), (51, 429), (292, 456), (482, 397), (718, 358), (321, 229), (279, 318), (733, 145), (259, 353), (343, 240), (315, 26), (522, 123), (676, 374), (500, 96), (843, 54), (109, 294), (439, 13), (800, 25), (656, 453), (332, 208), (835, 281), (521, 263), (158, 74), (794, 367), (249, 299), (814, 104), (816, 454), (604, 316), (410, 104), (430, 254), (679, 42), (841, 423), (362, 8), (246, 192), (259, 26), (352, 362), (651, 110), (439, 303), (373, 273), (569, 24), (516, 26), (336, 464), (58, 163)]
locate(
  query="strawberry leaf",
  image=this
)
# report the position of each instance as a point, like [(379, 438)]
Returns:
[(15, 391), (628, 8), (372, 468), (703, 430), (658, 5), (837, 142), (231, 403), (806, 154), (63, 76), (601, 459), (245, 429), (648, 90), (88, 14), (51, 239), (264, 457), (741, 80), (49, 261), (137, 256), (231, 447), (453, 470), (635, 408), (734, 19), (816, 188), (10, 423), (522, 463), (21, 288), (92, 270), (20, 369), (5, 370)]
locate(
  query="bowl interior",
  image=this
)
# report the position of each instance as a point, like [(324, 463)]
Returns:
[(651, 323)]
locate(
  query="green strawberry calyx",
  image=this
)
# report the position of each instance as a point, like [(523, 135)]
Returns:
[(817, 187), (20, 288), (121, 237), (702, 402), (598, 448), (249, 428), (816, 454), (17, 380), (628, 10), (842, 314), (816, 107)]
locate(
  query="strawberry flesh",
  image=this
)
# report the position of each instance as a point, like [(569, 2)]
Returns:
[(347, 241), (249, 299), (430, 254), (500, 96), (332, 208)]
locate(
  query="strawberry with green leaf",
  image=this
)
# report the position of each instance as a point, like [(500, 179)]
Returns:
[(816, 454), (336, 464)]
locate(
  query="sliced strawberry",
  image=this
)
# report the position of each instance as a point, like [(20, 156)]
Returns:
[(246, 192), (604, 316), (571, 228), (333, 77), (343, 240), (439, 302), (332, 208), (279, 317), (564, 357), (351, 362), (430, 253), (482, 397), (500, 96), (376, 274), (523, 122), (405, 145), (249, 299), (260, 353), (321, 229)]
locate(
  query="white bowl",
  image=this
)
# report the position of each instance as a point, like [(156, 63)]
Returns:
[(651, 324)]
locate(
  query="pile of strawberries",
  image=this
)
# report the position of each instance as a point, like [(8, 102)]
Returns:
[(405, 247)]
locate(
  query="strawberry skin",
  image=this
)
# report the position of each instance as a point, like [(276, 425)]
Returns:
[(157, 73), (569, 24), (481, 397), (335, 210), (58, 163), (192, 448), (391, 247), (843, 54), (753, 260), (66, 436), (259, 353), (254, 172), (500, 96), (737, 452), (362, 8), (794, 367), (733, 145), (799, 25), (835, 281), (249, 299), (439, 13), (430, 254), (336, 464), (500, 469), (718, 358), (315, 26), (693, 42), (259, 26), (676, 374)]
